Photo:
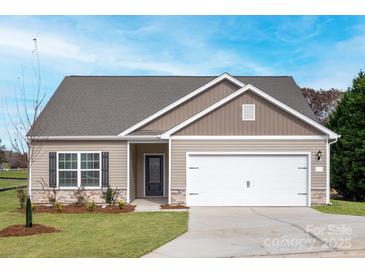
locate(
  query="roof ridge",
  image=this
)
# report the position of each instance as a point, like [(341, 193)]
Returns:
[(190, 76)]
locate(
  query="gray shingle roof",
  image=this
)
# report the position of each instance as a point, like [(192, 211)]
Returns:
[(108, 105)]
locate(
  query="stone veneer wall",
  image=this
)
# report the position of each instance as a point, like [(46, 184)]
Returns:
[(318, 196), (178, 196), (68, 197)]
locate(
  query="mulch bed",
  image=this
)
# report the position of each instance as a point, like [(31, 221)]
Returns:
[(174, 207), (78, 209), (21, 230)]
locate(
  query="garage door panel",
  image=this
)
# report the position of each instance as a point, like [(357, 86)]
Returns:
[(247, 180)]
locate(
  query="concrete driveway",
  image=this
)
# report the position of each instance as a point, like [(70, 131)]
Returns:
[(267, 231)]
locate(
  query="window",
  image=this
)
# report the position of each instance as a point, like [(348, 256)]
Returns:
[(90, 169), (248, 112), (67, 169), (79, 169)]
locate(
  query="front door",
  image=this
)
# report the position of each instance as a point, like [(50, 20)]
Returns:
[(154, 175)]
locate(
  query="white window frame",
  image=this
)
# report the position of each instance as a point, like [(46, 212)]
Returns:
[(243, 112), (78, 169)]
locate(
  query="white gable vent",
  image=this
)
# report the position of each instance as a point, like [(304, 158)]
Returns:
[(248, 112)]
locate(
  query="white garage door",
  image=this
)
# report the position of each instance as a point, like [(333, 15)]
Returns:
[(247, 180)]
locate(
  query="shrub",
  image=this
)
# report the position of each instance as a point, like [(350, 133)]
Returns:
[(81, 196), (52, 197), (34, 207), (51, 192), (110, 196), (121, 203), (59, 206), (22, 197), (90, 206)]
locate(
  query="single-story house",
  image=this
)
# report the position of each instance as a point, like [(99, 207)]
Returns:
[(195, 140)]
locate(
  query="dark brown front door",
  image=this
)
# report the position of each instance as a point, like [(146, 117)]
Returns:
[(154, 175)]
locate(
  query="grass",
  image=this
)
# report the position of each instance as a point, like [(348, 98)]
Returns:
[(6, 183), (90, 234), (20, 174), (343, 207)]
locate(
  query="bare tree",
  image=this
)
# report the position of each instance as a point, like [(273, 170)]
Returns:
[(28, 105), (322, 102)]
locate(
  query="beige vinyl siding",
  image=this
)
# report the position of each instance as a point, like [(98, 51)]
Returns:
[(179, 148), (117, 159), (269, 120), (189, 108), (132, 171), (143, 149)]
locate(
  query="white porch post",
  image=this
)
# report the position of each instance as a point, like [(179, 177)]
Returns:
[(169, 175), (128, 175)]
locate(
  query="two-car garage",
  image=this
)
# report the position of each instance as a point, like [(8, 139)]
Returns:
[(248, 179)]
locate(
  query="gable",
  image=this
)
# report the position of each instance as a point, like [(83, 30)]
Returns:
[(188, 108), (269, 120)]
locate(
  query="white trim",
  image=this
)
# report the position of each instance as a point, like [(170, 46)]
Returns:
[(224, 76), (149, 141), (243, 112), (328, 169), (306, 153), (249, 137), (97, 137), (169, 174), (78, 170), (163, 173), (30, 174), (128, 173), (259, 92)]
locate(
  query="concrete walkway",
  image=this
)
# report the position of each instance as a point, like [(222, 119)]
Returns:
[(267, 231)]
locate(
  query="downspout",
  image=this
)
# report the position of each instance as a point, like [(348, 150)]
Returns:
[(328, 177)]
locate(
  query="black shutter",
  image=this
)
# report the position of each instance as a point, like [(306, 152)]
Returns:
[(52, 169), (104, 169)]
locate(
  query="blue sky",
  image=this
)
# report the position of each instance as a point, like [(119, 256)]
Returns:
[(320, 52)]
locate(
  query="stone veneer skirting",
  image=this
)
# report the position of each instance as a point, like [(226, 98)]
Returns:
[(68, 197), (178, 196), (318, 196)]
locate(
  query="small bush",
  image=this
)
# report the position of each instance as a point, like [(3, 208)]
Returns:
[(121, 203), (110, 196), (81, 197), (90, 206), (34, 207), (22, 197), (52, 197), (59, 206)]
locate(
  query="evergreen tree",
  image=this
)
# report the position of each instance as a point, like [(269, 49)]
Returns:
[(348, 154)]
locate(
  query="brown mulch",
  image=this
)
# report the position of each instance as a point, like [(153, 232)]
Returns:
[(21, 230), (174, 207), (79, 209)]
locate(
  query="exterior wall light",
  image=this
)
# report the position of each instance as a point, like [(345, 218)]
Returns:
[(319, 154)]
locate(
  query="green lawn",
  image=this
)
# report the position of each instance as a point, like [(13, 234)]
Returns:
[(21, 173), (90, 234), (343, 207), (6, 183)]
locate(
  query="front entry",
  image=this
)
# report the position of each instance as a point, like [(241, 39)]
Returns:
[(154, 175)]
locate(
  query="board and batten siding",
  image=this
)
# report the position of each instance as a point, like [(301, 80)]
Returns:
[(117, 159), (269, 120), (189, 108), (179, 148)]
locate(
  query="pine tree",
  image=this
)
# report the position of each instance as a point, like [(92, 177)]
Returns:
[(348, 154), (28, 213)]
